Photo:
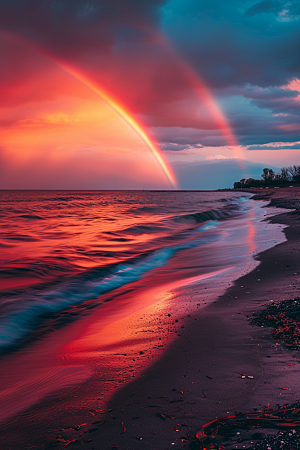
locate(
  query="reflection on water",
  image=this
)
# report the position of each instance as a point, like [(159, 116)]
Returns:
[(99, 284), (62, 249)]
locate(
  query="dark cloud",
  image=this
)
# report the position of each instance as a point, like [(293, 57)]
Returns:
[(79, 25), (279, 106), (269, 93), (245, 51), (189, 137), (267, 6), (287, 9), (228, 47)]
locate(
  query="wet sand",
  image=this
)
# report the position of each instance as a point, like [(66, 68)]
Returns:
[(198, 377)]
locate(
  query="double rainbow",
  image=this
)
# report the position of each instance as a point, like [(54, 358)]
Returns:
[(199, 88)]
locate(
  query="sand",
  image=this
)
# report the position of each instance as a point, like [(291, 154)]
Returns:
[(199, 377)]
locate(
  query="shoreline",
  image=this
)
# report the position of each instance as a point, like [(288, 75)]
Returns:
[(198, 378), (207, 377)]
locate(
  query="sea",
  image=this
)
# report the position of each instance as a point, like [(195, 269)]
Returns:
[(80, 269)]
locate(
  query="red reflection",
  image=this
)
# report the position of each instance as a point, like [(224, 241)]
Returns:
[(251, 232)]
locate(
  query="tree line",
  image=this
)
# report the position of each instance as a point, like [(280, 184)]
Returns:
[(287, 175)]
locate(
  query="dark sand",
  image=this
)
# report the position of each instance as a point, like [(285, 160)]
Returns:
[(198, 378)]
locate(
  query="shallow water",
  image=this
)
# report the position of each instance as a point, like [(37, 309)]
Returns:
[(89, 281)]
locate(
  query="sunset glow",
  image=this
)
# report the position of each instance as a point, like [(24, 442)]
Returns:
[(149, 161), (295, 86), (31, 136), (124, 115), (184, 97)]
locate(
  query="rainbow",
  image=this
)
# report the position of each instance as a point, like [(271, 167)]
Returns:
[(196, 83), (124, 114), (207, 98), (109, 99), (216, 112)]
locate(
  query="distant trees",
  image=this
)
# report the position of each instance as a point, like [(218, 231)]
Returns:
[(237, 185), (246, 183), (294, 172), (268, 175), (286, 175)]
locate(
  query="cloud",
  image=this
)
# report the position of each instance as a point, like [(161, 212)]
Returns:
[(278, 146), (230, 48), (269, 93), (218, 157), (284, 10), (267, 6), (247, 56), (75, 25), (172, 146), (192, 137)]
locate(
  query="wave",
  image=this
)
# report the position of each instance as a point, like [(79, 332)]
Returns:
[(31, 216), (27, 315), (20, 237), (34, 311), (213, 214), (140, 229)]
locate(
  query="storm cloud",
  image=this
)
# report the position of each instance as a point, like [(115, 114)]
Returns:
[(245, 52)]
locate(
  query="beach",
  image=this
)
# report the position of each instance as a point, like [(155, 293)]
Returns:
[(202, 365), (149, 225), (199, 379)]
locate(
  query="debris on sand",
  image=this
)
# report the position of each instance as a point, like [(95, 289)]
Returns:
[(226, 432), (220, 433), (284, 316)]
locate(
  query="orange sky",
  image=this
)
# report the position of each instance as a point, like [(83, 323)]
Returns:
[(59, 128), (55, 130)]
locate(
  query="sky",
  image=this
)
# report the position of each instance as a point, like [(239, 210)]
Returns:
[(147, 94)]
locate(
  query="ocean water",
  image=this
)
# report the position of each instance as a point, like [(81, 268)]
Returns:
[(62, 249), (74, 264)]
